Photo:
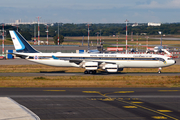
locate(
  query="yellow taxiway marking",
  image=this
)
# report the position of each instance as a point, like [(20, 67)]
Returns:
[(168, 90), (129, 106), (90, 91), (159, 117), (108, 99), (155, 117), (55, 90), (133, 105), (124, 92), (164, 110), (136, 102)]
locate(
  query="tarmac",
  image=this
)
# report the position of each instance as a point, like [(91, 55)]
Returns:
[(98, 103), (87, 103)]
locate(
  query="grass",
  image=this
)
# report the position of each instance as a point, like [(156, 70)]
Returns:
[(91, 81), (86, 81)]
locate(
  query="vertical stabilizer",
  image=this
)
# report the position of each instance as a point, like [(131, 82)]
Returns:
[(20, 43)]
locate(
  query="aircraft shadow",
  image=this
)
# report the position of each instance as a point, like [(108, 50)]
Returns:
[(52, 71)]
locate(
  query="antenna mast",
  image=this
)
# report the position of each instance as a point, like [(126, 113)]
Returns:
[(3, 40), (126, 34), (38, 31)]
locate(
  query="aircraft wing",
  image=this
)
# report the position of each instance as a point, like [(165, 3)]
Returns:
[(78, 61), (99, 62)]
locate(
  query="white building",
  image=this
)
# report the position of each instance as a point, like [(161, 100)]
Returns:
[(154, 24), (135, 24), (18, 22)]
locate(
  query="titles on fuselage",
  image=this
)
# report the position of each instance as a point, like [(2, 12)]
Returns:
[(103, 55)]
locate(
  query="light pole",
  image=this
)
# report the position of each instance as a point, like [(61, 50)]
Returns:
[(3, 39), (137, 42), (97, 37), (147, 42), (161, 37), (100, 37), (47, 34), (126, 34), (58, 33), (38, 31), (34, 34), (88, 35)]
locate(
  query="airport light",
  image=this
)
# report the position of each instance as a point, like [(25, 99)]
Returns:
[(126, 34)]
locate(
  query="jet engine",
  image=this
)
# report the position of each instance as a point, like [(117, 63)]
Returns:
[(110, 67), (90, 65)]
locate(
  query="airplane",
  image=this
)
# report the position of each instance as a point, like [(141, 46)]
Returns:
[(91, 62)]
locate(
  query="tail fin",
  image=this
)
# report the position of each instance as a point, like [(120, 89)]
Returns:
[(20, 43)]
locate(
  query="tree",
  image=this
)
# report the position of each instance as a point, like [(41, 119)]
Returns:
[(61, 39), (27, 35)]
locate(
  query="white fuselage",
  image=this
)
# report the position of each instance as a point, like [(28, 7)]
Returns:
[(122, 60)]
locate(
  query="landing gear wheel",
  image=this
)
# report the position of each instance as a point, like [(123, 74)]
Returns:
[(94, 72), (90, 72), (86, 72)]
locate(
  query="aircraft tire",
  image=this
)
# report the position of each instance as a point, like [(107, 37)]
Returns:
[(86, 72), (91, 72), (94, 72)]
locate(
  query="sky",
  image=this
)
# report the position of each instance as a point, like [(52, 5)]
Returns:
[(90, 11)]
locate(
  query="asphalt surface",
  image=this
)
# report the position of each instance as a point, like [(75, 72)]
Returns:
[(98, 103)]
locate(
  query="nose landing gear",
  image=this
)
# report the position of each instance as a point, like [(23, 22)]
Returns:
[(159, 70)]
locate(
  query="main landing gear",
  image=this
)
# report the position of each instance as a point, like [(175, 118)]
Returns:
[(90, 72), (159, 70)]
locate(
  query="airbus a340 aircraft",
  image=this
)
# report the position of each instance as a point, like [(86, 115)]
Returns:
[(91, 62)]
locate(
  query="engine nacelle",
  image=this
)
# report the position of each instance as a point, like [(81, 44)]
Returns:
[(111, 67), (91, 65)]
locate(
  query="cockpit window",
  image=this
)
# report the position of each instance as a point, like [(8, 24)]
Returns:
[(170, 58)]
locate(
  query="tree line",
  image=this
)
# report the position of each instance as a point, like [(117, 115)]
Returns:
[(71, 29)]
